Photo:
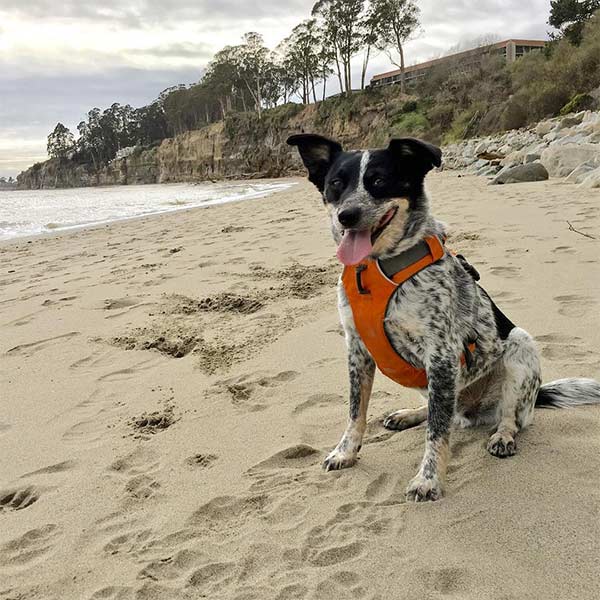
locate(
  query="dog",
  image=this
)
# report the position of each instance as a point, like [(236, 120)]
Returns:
[(475, 367)]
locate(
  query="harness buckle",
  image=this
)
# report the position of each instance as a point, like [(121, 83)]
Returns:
[(361, 290)]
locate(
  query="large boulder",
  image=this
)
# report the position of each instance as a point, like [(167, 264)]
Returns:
[(581, 172), (521, 174), (592, 180), (561, 160)]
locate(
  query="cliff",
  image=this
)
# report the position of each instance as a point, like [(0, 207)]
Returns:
[(241, 146)]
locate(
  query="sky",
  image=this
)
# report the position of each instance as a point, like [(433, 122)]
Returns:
[(60, 58)]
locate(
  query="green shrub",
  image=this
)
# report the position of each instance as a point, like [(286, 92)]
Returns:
[(578, 103), (410, 124)]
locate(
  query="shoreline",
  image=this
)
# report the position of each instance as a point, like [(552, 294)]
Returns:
[(290, 181)]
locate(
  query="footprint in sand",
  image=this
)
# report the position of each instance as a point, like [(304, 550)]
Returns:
[(129, 542), (574, 305), (505, 271), (139, 468), (60, 467), (442, 581), (559, 347), (250, 392), (113, 592), (92, 416), (344, 538), (25, 550), (295, 457), (342, 584), (319, 401), (33, 347), (201, 461), (172, 567), (19, 498), (563, 250)]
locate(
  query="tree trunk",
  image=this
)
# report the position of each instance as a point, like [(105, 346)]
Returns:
[(258, 99), (312, 83), (402, 70), (339, 71), (365, 66)]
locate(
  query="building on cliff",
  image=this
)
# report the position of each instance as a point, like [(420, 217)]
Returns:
[(511, 50)]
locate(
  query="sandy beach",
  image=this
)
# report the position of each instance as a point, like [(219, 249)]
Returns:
[(169, 386)]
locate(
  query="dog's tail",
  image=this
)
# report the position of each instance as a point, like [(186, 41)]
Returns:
[(568, 393)]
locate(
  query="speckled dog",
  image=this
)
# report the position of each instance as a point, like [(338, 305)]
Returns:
[(379, 210)]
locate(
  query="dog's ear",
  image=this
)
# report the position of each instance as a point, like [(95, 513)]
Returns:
[(317, 153), (424, 154)]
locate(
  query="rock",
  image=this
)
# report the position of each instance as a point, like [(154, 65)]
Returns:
[(573, 139), (550, 137), (592, 180), (490, 156), (544, 128), (572, 120), (481, 147), (513, 159), (489, 171), (521, 174), (561, 160), (581, 172), (531, 157)]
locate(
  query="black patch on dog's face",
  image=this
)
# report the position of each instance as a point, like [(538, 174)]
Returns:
[(318, 154)]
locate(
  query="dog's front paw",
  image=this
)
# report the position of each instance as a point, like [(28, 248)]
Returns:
[(338, 459), (421, 489), (502, 444)]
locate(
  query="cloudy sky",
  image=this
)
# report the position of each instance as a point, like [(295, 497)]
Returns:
[(59, 58)]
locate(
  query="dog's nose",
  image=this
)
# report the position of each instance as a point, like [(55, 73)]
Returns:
[(349, 216)]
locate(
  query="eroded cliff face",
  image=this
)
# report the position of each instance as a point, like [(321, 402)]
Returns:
[(243, 146)]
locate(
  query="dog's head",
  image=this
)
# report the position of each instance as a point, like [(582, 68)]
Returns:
[(370, 195)]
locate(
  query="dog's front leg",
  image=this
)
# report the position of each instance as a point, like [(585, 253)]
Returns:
[(361, 370), (428, 483)]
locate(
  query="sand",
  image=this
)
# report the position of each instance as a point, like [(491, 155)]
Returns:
[(170, 385)]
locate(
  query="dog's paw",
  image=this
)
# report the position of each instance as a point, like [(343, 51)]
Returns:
[(421, 489), (403, 419), (502, 444), (339, 460)]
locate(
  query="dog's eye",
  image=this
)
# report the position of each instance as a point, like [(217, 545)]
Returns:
[(379, 182), (336, 184)]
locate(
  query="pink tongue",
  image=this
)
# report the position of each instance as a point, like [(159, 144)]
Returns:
[(355, 246)]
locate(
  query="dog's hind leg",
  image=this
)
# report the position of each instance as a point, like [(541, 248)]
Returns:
[(406, 418), (522, 380), (361, 368)]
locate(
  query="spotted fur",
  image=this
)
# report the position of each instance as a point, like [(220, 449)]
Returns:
[(430, 318)]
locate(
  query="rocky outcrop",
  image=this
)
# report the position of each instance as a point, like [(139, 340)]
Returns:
[(566, 146), (243, 146)]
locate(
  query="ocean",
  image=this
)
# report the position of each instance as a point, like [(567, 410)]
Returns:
[(26, 213)]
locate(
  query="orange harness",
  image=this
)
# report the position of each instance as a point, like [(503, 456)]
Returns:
[(369, 291)]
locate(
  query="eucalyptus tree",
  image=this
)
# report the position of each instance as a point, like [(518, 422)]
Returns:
[(303, 56), (255, 67), (60, 142), (397, 21), (342, 22)]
